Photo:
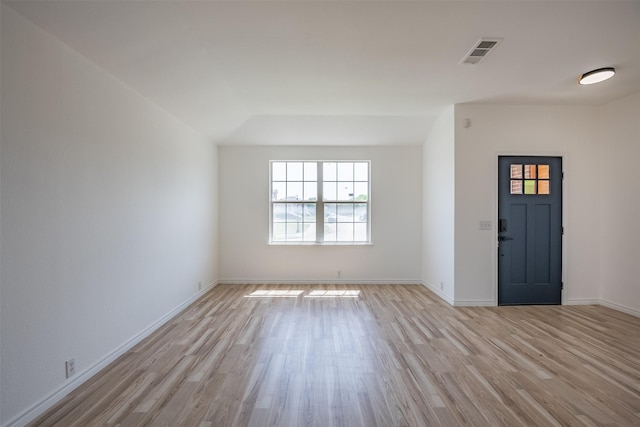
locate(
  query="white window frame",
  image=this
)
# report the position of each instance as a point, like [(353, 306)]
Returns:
[(320, 205)]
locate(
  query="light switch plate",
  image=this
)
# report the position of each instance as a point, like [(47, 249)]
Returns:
[(485, 225)]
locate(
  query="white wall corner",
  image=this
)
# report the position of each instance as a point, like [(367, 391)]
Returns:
[(436, 290)]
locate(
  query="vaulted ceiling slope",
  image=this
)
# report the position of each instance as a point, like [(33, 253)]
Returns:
[(346, 72)]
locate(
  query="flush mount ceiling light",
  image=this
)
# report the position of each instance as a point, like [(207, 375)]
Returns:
[(597, 76)]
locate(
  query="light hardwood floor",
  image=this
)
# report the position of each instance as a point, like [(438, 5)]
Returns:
[(392, 356)]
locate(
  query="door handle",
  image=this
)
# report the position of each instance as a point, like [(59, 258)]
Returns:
[(503, 238)]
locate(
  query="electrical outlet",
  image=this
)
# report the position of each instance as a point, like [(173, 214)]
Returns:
[(70, 367), (339, 273), (441, 285), (199, 286)]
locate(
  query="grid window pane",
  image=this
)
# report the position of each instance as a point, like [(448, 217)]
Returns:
[(516, 171), (361, 191), (294, 212), (543, 171), (345, 212), (345, 232), (279, 232), (329, 191), (294, 171), (330, 232), (310, 191), (543, 187), (295, 191), (529, 186), (278, 191), (345, 190), (294, 231), (345, 171), (516, 186), (530, 179), (309, 212), (309, 233), (361, 171), (529, 172), (360, 232), (330, 171), (279, 212), (360, 213), (310, 171), (279, 171), (330, 211)]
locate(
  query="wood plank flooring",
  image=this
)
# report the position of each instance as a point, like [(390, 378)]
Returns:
[(392, 356)]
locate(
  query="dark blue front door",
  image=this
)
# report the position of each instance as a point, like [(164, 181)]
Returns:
[(529, 230)]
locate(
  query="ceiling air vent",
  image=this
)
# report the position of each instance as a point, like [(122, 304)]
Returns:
[(480, 51)]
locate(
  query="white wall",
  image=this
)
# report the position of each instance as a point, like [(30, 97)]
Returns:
[(1, 8), (571, 132), (396, 193), (620, 204), (438, 208), (108, 216)]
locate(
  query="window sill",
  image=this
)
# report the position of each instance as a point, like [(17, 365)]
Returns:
[(320, 244)]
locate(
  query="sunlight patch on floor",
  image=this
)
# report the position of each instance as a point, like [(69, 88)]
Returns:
[(274, 294), (343, 294)]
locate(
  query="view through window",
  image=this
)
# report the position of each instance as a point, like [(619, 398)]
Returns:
[(320, 201)]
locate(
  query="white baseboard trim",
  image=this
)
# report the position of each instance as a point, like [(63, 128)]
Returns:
[(458, 303), (43, 405), (604, 303), (620, 307), (338, 281), (474, 303), (583, 301), (438, 292)]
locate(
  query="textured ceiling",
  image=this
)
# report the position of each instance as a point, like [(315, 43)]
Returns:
[(346, 72)]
